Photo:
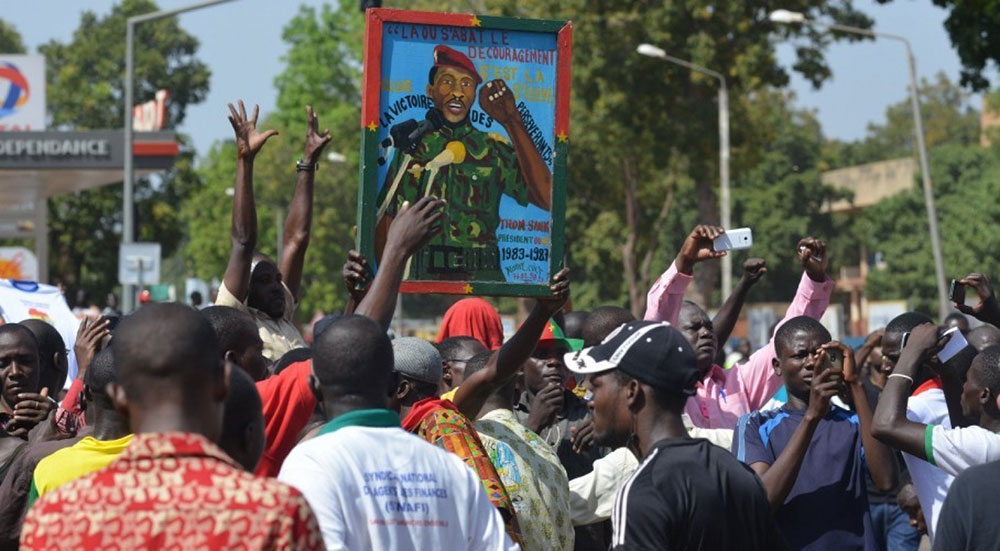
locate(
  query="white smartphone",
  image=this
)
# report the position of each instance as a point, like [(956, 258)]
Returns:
[(734, 240), (955, 344)]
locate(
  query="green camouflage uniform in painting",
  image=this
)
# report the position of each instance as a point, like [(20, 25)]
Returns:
[(467, 248)]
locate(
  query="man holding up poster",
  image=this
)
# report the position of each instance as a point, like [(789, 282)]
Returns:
[(470, 169)]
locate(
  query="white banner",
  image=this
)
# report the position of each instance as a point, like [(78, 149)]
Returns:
[(22, 92)]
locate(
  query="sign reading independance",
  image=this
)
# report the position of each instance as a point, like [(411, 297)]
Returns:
[(472, 111)]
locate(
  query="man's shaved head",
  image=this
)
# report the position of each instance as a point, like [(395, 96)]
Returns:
[(18, 362), (239, 339), (52, 360), (170, 371), (905, 322), (697, 328), (243, 421), (353, 357), (267, 293), (983, 336), (99, 375), (573, 323), (798, 324), (602, 321)]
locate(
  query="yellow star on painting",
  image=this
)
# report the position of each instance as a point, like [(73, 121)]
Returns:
[(372, 126), (562, 137), (467, 289), (475, 22)]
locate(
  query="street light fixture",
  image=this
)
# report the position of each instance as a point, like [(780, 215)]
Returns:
[(128, 199), (724, 207), (785, 16)]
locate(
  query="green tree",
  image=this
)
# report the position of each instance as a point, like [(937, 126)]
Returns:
[(10, 40), (644, 133), (947, 115), (787, 174), (974, 28), (966, 184), (85, 87), (322, 69)]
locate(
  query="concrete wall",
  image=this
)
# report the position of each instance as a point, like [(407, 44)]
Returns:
[(871, 182)]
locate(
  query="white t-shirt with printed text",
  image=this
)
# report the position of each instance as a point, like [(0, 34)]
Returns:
[(384, 488)]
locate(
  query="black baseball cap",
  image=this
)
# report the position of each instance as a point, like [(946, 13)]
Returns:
[(652, 352)]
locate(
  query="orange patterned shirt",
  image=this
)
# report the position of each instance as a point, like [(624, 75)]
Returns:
[(440, 423), (172, 491)]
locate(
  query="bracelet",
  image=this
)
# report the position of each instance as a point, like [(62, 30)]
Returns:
[(302, 165), (901, 376)]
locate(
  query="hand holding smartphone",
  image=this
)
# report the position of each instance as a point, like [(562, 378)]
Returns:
[(957, 292), (734, 240)]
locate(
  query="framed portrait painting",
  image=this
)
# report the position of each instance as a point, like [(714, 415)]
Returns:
[(473, 110)]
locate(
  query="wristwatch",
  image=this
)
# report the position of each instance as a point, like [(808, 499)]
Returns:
[(301, 165)]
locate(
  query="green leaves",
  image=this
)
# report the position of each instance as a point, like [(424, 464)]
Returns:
[(323, 69), (85, 89), (966, 184)]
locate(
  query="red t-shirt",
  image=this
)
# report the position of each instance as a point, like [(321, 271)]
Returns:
[(288, 404)]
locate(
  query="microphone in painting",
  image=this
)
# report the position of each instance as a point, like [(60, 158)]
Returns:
[(406, 136), (454, 153)]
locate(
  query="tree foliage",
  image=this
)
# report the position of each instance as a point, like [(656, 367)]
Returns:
[(974, 29), (948, 118), (85, 87), (644, 149), (966, 185), (322, 69), (10, 40), (782, 198)]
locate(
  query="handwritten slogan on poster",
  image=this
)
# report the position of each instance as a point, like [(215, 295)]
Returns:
[(468, 115)]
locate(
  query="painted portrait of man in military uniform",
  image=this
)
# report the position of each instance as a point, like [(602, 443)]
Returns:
[(470, 169)]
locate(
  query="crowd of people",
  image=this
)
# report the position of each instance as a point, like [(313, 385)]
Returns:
[(217, 428)]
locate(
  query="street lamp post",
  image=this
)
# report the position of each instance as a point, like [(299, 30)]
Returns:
[(788, 17), (724, 200), (128, 199)]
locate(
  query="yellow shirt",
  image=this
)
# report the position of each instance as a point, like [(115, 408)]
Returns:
[(68, 464), (450, 395), (279, 335)]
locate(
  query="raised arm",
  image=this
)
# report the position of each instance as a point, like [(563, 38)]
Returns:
[(664, 299), (503, 365), (811, 299), (874, 340), (412, 228), (725, 319), (891, 425), (988, 309), (497, 100), (244, 227), (779, 477), (299, 221), (880, 459)]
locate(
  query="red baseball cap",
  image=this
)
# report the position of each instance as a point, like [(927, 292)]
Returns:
[(449, 57)]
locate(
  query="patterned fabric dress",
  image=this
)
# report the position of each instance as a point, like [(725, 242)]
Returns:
[(172, 491), (534, 478), (440, 423)]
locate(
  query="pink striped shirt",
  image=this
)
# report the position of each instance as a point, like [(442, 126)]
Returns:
[(722, 397)]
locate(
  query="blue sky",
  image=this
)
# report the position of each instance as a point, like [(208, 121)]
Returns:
[(241, 42)]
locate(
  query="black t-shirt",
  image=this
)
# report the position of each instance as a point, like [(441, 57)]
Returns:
[(691, 495), (968, 519)]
